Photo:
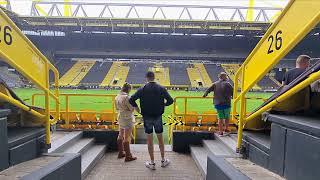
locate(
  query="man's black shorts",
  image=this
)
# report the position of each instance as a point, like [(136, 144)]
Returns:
[(152, 122)]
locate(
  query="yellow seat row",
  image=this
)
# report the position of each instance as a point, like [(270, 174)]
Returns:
[(87, 119), (202, 122)]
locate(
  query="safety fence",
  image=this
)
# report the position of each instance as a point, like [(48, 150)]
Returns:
[(99, 113), (198, 113)]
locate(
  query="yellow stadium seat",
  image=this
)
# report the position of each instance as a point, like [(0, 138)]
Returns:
[(73, 116), (209, 119), (88, 116), (191, 121), (107, 117), (65, 126)]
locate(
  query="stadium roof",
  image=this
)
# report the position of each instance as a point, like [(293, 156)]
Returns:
[(205, 17), (236, 10)]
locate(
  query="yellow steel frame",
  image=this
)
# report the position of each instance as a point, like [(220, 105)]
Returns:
[(28, 72), (289, 21)]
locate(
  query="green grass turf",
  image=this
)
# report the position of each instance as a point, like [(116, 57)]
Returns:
[(102, 103)]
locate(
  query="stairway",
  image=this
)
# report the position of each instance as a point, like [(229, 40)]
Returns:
[(73, 142), (217, 159)]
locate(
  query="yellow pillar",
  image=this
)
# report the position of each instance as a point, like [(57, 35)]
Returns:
[(67, 8), (250, 11)]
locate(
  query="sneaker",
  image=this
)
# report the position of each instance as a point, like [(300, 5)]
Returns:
[(165, 162), (150, 165)]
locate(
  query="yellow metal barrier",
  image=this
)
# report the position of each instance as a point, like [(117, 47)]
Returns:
[(287, 31), (202, 118), (19, 52), (68, 112), (191, 118)]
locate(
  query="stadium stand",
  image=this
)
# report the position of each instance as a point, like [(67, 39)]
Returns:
[(279, 73), (64, 65), (137, 73), (231, 69), (121, 76), (96, 74), (178, 74), (287, 64), (194, 77), (267, 83), (204, 74), (198, 76), (117, 74), (162, 74), (213, 71), (76, 73), (114, 74), (12, 79), (275, 81)]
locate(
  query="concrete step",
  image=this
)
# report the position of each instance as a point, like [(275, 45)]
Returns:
[(80, 146), (199, 155), (229, 141), (90, 158), (218, 148), (237, 169), (64, 141)]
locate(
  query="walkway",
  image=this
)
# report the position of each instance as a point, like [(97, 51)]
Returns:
[(182, 167)]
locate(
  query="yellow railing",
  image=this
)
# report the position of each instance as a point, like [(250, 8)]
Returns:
[(207, 117), (19, 52), (284, 34), (66, 101), (88, 124)]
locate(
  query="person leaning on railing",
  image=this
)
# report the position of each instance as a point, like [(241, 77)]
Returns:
[(126, 122), (302, 63), (223, 92)]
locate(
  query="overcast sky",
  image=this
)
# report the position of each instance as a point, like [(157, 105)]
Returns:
[(23, 7)]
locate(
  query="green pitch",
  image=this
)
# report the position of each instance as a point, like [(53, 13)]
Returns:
[(100, 104)]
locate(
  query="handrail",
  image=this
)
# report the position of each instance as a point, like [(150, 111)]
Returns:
[(34, 66), (20, 105), (312, 78), (281, 37)]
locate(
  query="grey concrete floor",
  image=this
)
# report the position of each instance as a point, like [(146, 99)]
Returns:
[(182, 167)]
